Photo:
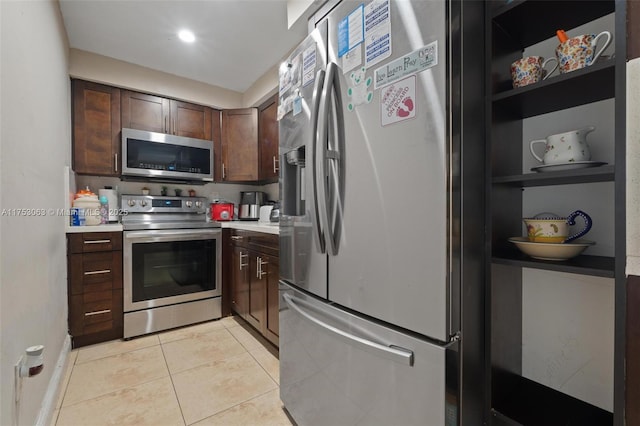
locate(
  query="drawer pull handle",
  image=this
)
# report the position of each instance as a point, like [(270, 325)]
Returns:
[(98, 242), (88, 314), (236, 237), (104, 271)]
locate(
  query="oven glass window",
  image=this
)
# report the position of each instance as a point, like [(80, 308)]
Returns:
[(165, 269)]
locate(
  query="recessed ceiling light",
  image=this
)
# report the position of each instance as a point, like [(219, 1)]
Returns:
[(186, 36)]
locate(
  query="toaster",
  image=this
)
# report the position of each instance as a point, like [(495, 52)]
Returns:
[(221, 211)]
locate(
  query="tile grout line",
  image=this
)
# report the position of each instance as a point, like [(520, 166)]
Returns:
[(119, 389), (116, 354), (264, 369), (240, 403), (173, 386), (66, 385)]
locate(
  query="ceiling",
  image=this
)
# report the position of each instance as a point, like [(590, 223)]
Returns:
[(237, 41)]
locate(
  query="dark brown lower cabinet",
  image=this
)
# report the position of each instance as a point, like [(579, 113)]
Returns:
[(632, 367), (94, 262), (253, 278)]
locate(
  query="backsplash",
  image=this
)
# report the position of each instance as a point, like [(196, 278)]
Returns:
[(226, 191)]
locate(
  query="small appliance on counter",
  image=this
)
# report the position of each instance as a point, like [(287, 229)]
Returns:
[(250, 202), (265, 213), (274, 216), (221, 211)]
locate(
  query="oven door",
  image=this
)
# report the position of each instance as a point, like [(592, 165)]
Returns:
[(165, 267)]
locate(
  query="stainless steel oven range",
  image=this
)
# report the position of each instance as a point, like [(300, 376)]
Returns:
[(172, 263)]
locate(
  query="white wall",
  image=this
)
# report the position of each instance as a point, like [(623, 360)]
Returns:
[(102, 69), (35, 145), (262, 89), (633, 167)]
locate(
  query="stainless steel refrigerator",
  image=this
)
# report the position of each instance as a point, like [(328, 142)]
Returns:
[(381, 226)]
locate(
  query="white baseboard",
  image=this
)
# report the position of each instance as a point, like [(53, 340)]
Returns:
[(53, 389)]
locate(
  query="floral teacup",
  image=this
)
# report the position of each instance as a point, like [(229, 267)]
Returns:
[(580, 51), (530, 70)]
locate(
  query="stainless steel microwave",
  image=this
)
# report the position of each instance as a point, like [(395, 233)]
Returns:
[(166, 157)]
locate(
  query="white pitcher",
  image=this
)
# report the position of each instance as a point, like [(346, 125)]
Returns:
[(565, 147)]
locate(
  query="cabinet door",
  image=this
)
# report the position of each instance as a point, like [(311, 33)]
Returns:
[(145, 112), (256, 316), (96, 128), (216, 130), (240, 145), (271, 327), (190, 120), (268, 142), (240, 281)]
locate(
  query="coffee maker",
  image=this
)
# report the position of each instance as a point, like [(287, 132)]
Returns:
[(250, 202)]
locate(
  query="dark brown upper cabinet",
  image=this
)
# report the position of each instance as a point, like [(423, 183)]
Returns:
[(268, 141), (157, 114), (96, 128), (239, 145)]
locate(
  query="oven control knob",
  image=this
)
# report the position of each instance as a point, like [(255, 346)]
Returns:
[(198, 204), (143, 203), (188, 203), (131, 203)]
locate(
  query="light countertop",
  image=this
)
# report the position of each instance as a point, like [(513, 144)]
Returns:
[(267, 228), (111, 227)]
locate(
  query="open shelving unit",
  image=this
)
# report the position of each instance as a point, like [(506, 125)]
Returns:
[(511, 28)]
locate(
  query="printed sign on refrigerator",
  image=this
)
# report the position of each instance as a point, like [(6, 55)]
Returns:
[(351, 31), (351, 59), (377, 29), (412, 63), (398, 101), (309, 65)]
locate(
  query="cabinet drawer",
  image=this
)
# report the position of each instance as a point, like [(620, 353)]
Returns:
[(92, 316), (93, 272), (96, 312), (89, 242), (259, 241)]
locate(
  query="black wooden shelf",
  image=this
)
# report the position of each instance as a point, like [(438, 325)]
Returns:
[(525, 402), (604, 173), (529, 22), (583, 86), (598, 266)]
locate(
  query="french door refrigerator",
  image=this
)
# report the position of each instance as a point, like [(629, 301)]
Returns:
[(381, 226)]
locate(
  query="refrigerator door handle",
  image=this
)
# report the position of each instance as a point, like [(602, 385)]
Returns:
[(331, 151), (336, 162), (392, 352), (317, 125)]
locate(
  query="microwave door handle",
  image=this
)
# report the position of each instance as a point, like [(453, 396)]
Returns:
[(319, 129)]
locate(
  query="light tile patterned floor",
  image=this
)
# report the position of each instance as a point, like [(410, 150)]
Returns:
[(215, 373)]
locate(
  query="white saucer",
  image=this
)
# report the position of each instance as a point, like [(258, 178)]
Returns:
[(567, 166), (551, 251)]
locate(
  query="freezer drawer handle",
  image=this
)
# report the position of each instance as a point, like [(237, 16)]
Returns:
[(392, 352)]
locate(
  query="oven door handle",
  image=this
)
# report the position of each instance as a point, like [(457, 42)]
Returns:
[(172, 235)]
